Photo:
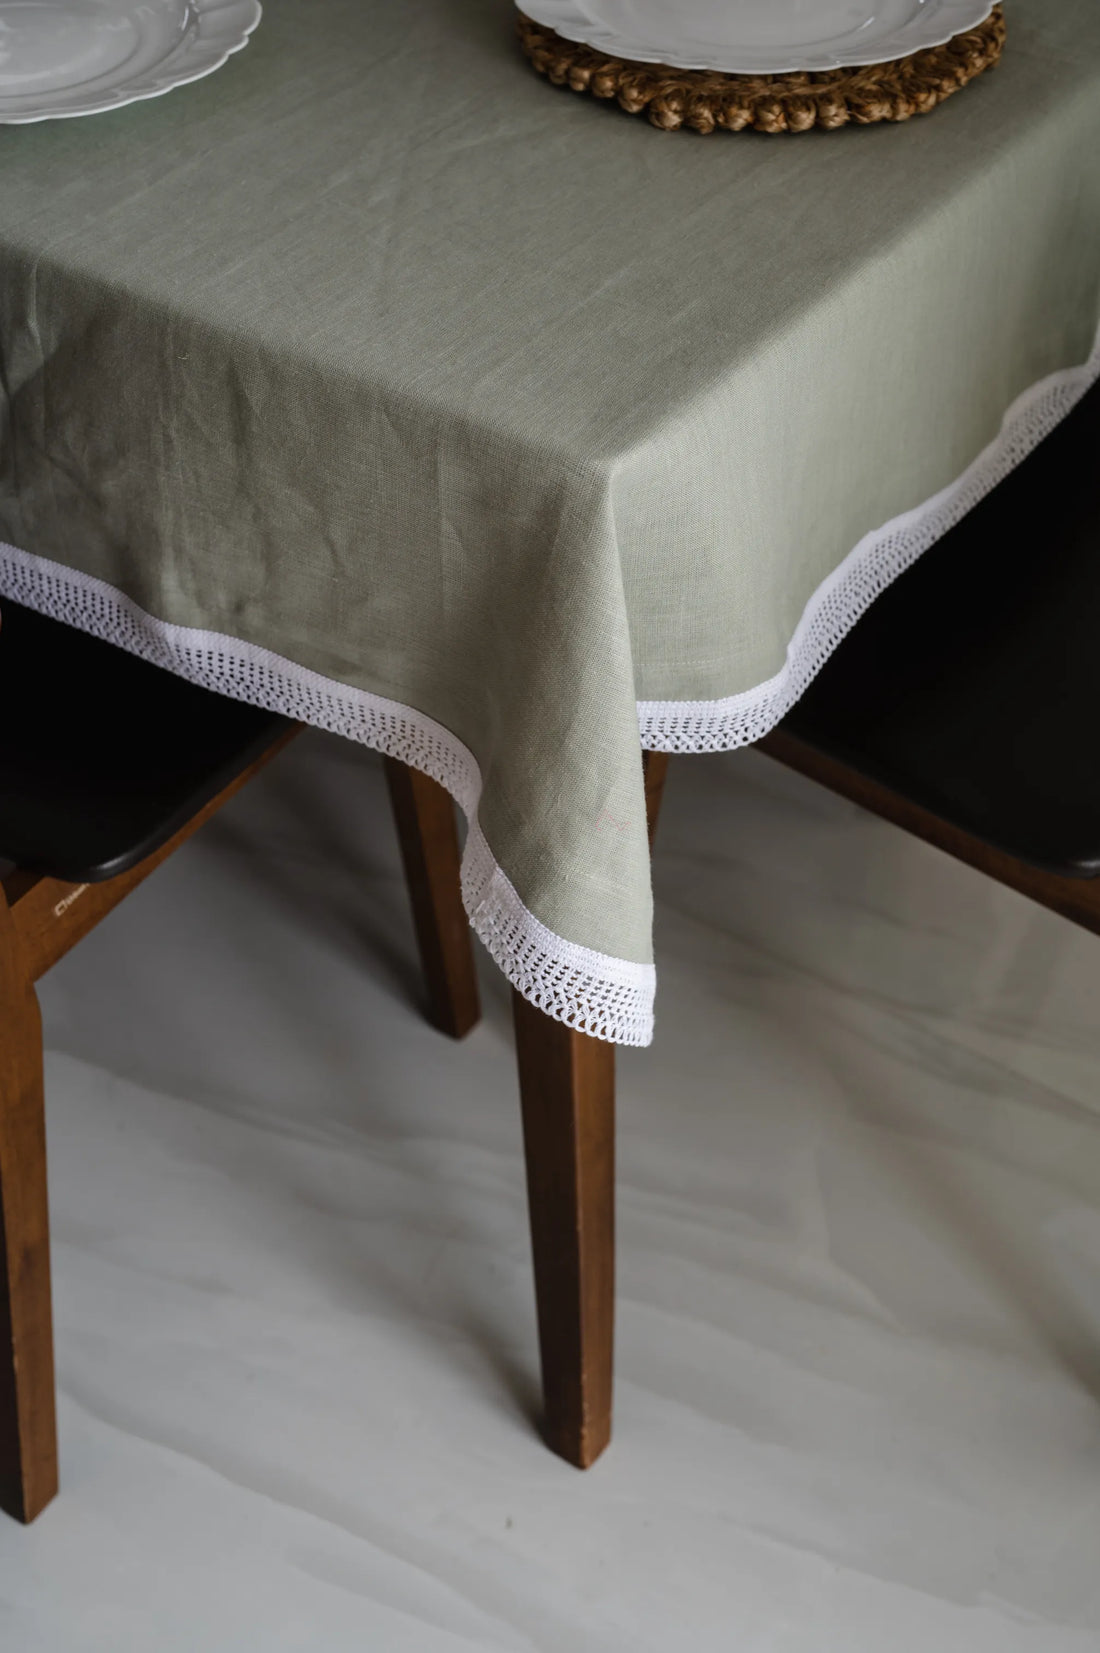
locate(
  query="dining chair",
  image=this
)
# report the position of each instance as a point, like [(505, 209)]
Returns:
[(962, 707), (107, 765)]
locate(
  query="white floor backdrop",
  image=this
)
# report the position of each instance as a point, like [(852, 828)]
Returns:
[(859, 1326)]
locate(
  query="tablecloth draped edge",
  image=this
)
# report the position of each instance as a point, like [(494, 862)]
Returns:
[(848, 592), (607, 997)]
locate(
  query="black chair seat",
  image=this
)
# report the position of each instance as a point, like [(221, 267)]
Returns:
[(972, 686), (104, 757)]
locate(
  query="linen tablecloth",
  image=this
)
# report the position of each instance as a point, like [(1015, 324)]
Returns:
[(375, 380)]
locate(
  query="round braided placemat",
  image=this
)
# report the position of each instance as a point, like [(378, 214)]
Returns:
[(704, 101)]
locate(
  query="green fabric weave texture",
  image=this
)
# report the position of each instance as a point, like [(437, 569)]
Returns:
[(381, 357)]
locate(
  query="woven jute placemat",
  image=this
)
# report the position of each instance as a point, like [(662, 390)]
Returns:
[(703, 101)]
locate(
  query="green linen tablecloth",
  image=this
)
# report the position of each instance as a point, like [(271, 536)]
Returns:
[(376, 380)]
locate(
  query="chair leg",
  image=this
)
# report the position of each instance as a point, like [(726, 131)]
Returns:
[(28, 1435), (655, 770), (567, 1087), (425, 818)]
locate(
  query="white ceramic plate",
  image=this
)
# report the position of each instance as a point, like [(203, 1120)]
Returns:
[(761, 37), (76, 57)]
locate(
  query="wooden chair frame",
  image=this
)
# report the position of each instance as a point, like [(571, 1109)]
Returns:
[(1077, 899), (567, 1086), (41, 919)]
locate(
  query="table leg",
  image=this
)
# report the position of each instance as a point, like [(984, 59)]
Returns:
[(655, 770), (424, 814), (567, 1087), (28, 1437)]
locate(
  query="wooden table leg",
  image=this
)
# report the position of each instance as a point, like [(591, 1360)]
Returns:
[(567, 1086), (28, 1436), (655, 770), (425, 816)]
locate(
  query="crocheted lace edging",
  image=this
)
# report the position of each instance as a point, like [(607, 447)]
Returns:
[(608, 997), (878, 559)]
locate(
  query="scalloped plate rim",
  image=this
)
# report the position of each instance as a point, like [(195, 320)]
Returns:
[(572, 21), (215, 56)]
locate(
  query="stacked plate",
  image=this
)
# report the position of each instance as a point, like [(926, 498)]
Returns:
[(759, 37), (76, 57)]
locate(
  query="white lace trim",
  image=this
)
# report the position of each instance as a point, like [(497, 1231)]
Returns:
[(878, 559), (608, 997)]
